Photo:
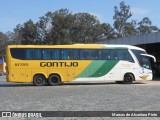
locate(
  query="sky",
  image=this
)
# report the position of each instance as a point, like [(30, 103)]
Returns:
[(14, 12)]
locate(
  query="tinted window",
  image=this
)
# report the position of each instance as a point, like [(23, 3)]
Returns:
[(38, 54), (123, 55), (55, 53), (33, 54), (143, 61), (51, 54), (115, 54), (138, 53), (70, 54), (46, 54), (107, 54), (89, 54), (18, 53)]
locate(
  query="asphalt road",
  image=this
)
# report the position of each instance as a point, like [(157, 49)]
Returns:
[(108, 96)]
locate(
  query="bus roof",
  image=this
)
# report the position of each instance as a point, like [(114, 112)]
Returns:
[(95, 46)]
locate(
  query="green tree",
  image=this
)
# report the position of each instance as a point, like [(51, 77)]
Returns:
[(121, 21), (86, 28), (17, 35), (3, 44), (145, 26), (13, 38), (108, 31), (56, 27), (44, 25), (26, 33), (63, 27)]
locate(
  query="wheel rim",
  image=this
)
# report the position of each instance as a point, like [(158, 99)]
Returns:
[(54, 80), (39, 80), (128, 79)]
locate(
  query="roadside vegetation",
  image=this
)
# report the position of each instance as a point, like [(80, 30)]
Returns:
[(65, 27)]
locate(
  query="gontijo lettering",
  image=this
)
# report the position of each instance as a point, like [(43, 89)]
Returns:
[(59, 64)]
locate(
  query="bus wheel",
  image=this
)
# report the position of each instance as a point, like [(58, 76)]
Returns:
[(54, 80), (128, 78), (39, 80)]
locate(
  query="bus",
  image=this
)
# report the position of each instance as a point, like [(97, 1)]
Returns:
[(56, 64), (2, 67)]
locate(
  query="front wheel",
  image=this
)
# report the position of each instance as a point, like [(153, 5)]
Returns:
[(54, 80), (39, 80), (128, 78)]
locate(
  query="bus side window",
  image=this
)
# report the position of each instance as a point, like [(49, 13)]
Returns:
[(45, 54), (106, 55), (38, 54), (110, 54), (18, 53), (129, 57), (30, 54), (103, 55), (51, 54), (116, 55), (55, 54), (84, 54), (125, 55), (33, 54), (94, 54), (69, 54), (120, 54)]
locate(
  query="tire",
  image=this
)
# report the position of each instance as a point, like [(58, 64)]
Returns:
[(39, 80), (54, 80), (128, 78)]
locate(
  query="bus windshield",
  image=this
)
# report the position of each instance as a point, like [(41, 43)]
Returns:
[(143, 60)]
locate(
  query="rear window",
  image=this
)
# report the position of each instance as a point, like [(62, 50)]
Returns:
[(18, 53)]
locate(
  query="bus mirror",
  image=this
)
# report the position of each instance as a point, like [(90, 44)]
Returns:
[(151, 56)]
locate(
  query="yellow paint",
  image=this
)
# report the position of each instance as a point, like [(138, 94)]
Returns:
[(24, 70), (2, 67), (144, 77)]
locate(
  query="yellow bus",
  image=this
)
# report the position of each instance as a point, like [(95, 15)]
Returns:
[(2, 67), (55, 64)]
